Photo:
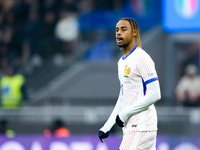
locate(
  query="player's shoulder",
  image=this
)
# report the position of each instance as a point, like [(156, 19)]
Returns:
[(142, 54), (141, 51)]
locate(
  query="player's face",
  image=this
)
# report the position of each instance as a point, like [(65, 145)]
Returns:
[(124, 33)]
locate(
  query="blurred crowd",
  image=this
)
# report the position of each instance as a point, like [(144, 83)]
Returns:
[(33, 30), (27, 31)]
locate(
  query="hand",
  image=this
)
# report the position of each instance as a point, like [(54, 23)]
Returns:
[(103, 135), (119, 121)]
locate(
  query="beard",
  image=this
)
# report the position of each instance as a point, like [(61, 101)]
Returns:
[(123, 46)]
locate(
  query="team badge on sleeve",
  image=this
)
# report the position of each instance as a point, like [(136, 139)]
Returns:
[(151, 74)]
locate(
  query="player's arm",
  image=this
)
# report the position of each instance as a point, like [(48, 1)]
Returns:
[(104, 131), (153, 94)]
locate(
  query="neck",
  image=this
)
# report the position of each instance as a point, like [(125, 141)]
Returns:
[(128, 49)]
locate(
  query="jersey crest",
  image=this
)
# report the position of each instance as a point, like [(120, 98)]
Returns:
[(127, 70)]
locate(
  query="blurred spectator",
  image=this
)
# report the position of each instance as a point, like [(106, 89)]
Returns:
[(67, 31), (4, 52), (47, 42), (13, 91), (53, 5), (26, 66), (109, 5), (70, 5), (7, 5), (86, 6), (30, 30), (3, 65), (20, 9), (188, 87), (9, 41), (4, 129), (58, 129), (33, 4), (192, 53), (9, 19)]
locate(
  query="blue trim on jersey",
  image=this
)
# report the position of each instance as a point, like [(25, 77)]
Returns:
[(150, 80), (130, 52)]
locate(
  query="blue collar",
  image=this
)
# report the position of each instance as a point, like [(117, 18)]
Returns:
[(130, 52)]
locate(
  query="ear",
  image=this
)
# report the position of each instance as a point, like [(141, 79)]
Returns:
[(134, 33)]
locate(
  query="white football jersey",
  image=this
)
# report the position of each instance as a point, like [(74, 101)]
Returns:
[(135, 71)]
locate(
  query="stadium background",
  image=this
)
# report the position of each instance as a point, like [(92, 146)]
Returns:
[(81, 86)]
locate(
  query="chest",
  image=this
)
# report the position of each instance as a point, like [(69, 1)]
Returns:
[(128, 71)]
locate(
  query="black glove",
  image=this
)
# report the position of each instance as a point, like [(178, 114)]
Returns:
[(103, 135), (119, 122)]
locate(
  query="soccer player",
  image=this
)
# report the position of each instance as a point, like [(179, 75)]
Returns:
[(134, 110)]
